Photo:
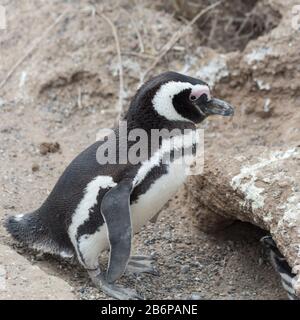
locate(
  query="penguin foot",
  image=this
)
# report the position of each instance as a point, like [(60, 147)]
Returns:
[(119, 292), (141, 258), (141, 264), (113, 290)]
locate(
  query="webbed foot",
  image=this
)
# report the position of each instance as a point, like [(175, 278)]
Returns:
[(113, 290), (141, 264)]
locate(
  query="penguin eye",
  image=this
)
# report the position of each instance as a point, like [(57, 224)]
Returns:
[(193, 98), (203, 98)]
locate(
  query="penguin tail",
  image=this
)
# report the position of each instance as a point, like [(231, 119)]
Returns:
[(29, 230), (25, 228)]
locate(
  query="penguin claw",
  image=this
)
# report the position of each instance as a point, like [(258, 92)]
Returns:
[(141, 264)]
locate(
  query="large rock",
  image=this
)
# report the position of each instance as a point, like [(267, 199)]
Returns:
[(260, 186), (21, 280)]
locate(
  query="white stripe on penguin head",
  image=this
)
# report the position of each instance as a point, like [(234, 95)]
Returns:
[(163, 99)]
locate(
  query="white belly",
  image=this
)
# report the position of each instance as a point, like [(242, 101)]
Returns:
[(142, 211), (156, 196)]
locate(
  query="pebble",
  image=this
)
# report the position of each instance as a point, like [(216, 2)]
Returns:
[(185, 269), (168, 235), (35, 167), (195, 296), (49, 147)]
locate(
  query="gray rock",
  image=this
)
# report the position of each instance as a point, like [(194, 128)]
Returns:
[(185, 269), (195, 296)]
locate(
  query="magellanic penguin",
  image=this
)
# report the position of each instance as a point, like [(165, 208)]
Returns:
[(94, 207), (279, 263)]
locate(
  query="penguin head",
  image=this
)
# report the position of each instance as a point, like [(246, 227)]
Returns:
[(177, 97)]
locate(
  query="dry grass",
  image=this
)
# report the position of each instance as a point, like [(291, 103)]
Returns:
[(230, 26)]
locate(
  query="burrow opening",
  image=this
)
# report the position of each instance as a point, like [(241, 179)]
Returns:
[(231, 25)]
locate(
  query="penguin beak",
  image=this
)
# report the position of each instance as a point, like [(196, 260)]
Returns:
[(216, 106)]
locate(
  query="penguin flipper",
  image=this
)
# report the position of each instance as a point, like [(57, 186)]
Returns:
[(115, 208)]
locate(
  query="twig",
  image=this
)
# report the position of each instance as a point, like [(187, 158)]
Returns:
[(138, 34), (212, 31), (121, 79), (138, 54), (181, 32), (79, 99), (228, 24), (33, 47), (246, 20)]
